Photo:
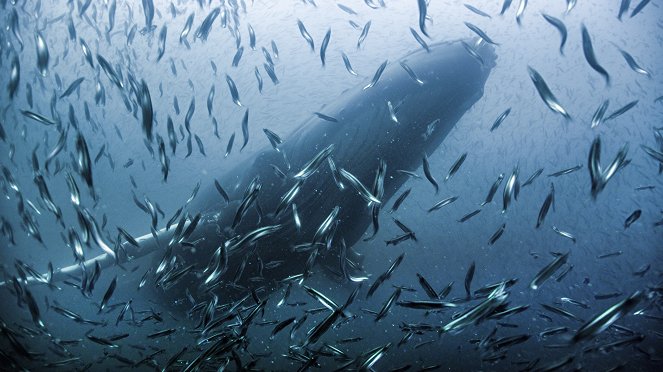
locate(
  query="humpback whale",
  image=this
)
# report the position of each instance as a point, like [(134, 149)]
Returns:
[(326, 169)]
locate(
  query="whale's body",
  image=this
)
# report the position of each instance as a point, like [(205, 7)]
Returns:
[(363, 135)]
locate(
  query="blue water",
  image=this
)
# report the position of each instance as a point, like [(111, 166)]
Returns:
[(531, 137)]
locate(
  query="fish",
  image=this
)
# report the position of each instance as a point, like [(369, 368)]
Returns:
[(605, 319), (505, 6), (233, 90), (455, 167), (564, 234), (632, 218), (468, 279), (401, 198), (384, 310), (364, 33), (146, 109), (543, 212), (326, 117), (469, 215), (422, 16), (245, 129), (497, 234), (411, 73), (376, 77), (500, 119), (566, 171), (428, 174), (599, 177), (206, 26), (108, 295), (638, 8), (162, 42), (477, 11), (305, 34), (324, 45), (549, 270), (37, 117), (588, 50), (521, 11), (238, 56), (533, 177), (442, 203), (187, 28), (419, 39), (559, 25), (621, 111), (348, 66), (510, 189), (493, 189), (252, 37), (43, 55), (480, 33), (546, 95), (72, 87), (597, 118), (623, 8), (633, 64), (384, 276), (14, 77)]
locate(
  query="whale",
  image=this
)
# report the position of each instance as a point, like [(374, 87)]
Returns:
[(299, 207)]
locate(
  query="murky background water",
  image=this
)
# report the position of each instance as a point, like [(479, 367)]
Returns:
[(530, 138)]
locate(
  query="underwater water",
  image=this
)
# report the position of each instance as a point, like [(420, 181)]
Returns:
[(323, 185)]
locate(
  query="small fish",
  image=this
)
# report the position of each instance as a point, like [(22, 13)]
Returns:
[(600, 112), (162, 42), (469, 275), (622, 110), (163, 333), (146, 109), (238, 56), (477, 11), (187, 28), (633, 64), (546, 206), (273, 138), (469, 215), (497, 234), (546, 95), (229, 146), (428, 174), (533, 177), (388, 304), (364, 33), (480, 33), (259, 78), (521, 11), (108, 295), (37, 117), (312, 165), (510, 189), (632, 218), (384, 276), (326, 117), (548, 271), (505, 6), (206, 26), (348, 66), (252, 37), (233, 90), (638, 8), (324, 45), (493, 189), (588, 50), (346, 9), (472, 52), (72, 87), (500, 119), (604, 320), (422, 16), (14, 77), (564, 234), (359, 187), (280, 326), (400, 200), (306, 35), (442, 203), (419, 39), (392, 112), (566, 171), (600, 177), (271, 73), (42, 54), (559, 25), (245, 129), (377, 75), (411, 73)]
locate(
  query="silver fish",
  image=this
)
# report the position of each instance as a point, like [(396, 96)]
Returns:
[(442, 203), (428, 174), (419, 39), (480, 33), (245, 129), (545, 207), (633, 64), (252, 37), (233, 90), (410, 72), (187, 28), (564, 234), (324, 45), (162, 42), (546, 95), (588, 50), (422, 16), (602, 321), (306, 35), (364, 33), (42, 54), (348, 66), (622, 110), (521, 11), (500, 119), (72, 87), (559, 25), (377, 75), (14, 77), (510, 190), (309, 168), (597, 118)]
